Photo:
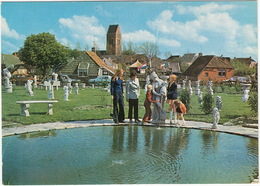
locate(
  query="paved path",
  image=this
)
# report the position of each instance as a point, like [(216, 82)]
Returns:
[(239, 130)]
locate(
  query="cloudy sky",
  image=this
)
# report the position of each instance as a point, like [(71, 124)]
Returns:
[(214, 28)]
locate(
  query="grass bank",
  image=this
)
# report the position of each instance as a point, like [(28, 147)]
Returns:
[(93, 104)]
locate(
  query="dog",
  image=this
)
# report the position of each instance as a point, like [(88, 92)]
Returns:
[(179, 110)]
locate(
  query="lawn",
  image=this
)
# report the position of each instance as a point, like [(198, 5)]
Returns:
[(91, 104)]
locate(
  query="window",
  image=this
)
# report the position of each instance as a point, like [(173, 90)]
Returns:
[(105, 72), (83, 72), (206, 74), (221, 73)]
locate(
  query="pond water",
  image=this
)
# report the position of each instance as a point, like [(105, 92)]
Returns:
[(128, 155)]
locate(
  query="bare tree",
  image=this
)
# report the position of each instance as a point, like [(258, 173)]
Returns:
[(150, 49)]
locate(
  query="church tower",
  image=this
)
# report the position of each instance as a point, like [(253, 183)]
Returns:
[(114, 40)]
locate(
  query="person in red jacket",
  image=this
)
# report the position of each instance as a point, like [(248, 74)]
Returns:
[(180, 109), (147, 104)]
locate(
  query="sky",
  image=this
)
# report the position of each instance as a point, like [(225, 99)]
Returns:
[(227, 28)]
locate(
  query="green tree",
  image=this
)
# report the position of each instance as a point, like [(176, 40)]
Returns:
[(242, 69), (129, 49), (207, 103), (44, 52)]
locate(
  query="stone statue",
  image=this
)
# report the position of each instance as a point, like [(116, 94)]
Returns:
[(147, 82), (210, 84), (245, 95), (50, 91), (218, 102), (200, 98), (6, 76), (183, 84), (189, 87), (66, 93), (158, 114), (197, 92), (28, 86), (54, 76), (35, 81), (70, 87), (76, 88), (216, 117)]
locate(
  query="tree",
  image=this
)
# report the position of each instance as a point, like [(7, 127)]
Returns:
[(150, 49), (129, 49), (43, 51)]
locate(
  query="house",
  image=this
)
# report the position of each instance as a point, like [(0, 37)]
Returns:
[(88, 65), (210, 67), (248, 61), (9, 59)]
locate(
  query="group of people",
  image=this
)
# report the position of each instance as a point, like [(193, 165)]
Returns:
[(133, 93)]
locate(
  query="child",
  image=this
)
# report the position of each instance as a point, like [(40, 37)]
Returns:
[(147, 104), (179, 109)]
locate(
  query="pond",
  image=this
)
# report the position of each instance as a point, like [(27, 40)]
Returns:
[(128, 155)]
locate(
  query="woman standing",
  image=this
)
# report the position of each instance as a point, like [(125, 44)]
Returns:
[(172, 95), (132, 94), (117, 93)]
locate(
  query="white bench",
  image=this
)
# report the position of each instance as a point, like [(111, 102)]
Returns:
[(26, 104)]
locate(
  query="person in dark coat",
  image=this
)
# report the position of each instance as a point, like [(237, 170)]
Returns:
[(172, 95), (116, 89)]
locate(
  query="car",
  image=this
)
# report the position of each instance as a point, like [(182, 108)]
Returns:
[(100, 80), (240, 79), (65, 78)]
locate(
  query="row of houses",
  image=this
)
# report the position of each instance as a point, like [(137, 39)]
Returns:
[(90, 65)]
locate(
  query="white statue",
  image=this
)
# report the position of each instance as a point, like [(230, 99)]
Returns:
[(210, 84), (189, 87), (200, 98), (76, 88), (218, 102), (66, 93), (29, 87), (183, 84), (35, 81), (6, 76), (158, 114), (70, 87), (147, 82), (245, 95), (216, 117), (54, 76), (197, 92), (50, 92)]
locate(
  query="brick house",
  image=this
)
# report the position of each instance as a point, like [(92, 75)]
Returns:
[(206, 68)]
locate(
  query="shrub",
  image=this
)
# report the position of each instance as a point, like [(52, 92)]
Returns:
[(207, 104), (185, 98), (253, 102)]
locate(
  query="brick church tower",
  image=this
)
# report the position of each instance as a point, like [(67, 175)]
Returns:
[(114, 40)]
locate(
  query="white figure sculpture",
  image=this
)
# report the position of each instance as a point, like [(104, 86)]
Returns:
[(183, 84), (147, 82), (70, 87), (35, 81), (158, 114), (218, 102), (50, 92), (189, 87), (54, 76), (245, 95), (7, 83), (66, 93), (216, 117), (76, 88), (210, 84), (29, 87), (197, 92), (200, 98)]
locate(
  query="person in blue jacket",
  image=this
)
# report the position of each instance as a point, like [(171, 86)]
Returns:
[(117, 93)]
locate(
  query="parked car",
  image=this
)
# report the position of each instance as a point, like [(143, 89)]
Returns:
[(100, 80), (21, 79), (65, 79), (240, 79)]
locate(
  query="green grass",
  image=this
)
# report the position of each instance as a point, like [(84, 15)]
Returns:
[(91, 104)]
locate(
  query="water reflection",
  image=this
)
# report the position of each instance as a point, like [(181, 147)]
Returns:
[(118, 139), (41, 134), (209, 141)]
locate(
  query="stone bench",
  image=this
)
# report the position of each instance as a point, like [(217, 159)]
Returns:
[(26, 104)]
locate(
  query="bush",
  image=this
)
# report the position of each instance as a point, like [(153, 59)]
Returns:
[(185, 98), (253, 102), (207, 104)]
